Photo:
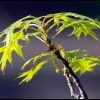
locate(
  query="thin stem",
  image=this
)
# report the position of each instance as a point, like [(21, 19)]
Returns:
[(35, 25), (33, 28), (40, 39), (52, 26), (44, 20), (49, 21)]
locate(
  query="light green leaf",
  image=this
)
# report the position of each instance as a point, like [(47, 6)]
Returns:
[(39, 66), (37, 21), (31, 73), (40, 56), (75, 54), (13, 45), (22, 24), (34, 59), (26, 63), (83, 65), (80, 23), (56, 20), (28, 75), (2, 49), (33, 34), (1, 35), (80, 61), (83, 27)]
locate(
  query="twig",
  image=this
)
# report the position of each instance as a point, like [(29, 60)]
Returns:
[(70, 83)]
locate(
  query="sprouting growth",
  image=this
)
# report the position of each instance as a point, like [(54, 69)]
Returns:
[(73, 61)]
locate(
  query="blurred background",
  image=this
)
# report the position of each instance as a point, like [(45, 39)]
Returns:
[(47, 84)]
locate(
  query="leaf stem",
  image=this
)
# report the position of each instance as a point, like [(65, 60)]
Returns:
[(52, 26), (49, 21), (40, 39)]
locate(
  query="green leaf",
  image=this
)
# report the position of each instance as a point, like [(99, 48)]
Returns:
[(32, 22), (33, 34), (75, 54), (13, 45), (1, 35), (80, 23), (78, 16), (31, 73), (40, 56), (37, 21), (56, 20), (28, 75), (22, 24), (26, 24), (34, 59), (26, 63), (83, 27), (80, 61), (84, 65), (2, 49)]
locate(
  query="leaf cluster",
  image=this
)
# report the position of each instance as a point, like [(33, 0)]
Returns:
[(38, 26)]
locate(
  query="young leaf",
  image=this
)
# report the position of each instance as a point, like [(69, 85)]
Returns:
[(31, 73), (13, 45), (22, 24), (84, 27), (84, 65), (80, 61), (76, 54), (33, 34), (26, 63), (81, 24), (28, 75), (59, 17), (34, 59)]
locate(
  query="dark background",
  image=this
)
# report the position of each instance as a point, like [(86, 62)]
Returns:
[(47, 84)]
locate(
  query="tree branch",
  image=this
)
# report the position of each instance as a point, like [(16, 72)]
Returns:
[(68, 72), (70, 83)]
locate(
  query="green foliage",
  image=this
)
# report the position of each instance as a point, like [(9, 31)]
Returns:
[(30, 74), (35, 60), (12, 38), (31, 26), (9, 48), (81, 24), (37, 65), (80, 61)]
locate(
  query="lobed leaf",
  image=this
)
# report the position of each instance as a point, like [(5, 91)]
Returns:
[(31, 73), (84, 65), (34, 60), (13, 45), (80, 61), (81, 24)]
